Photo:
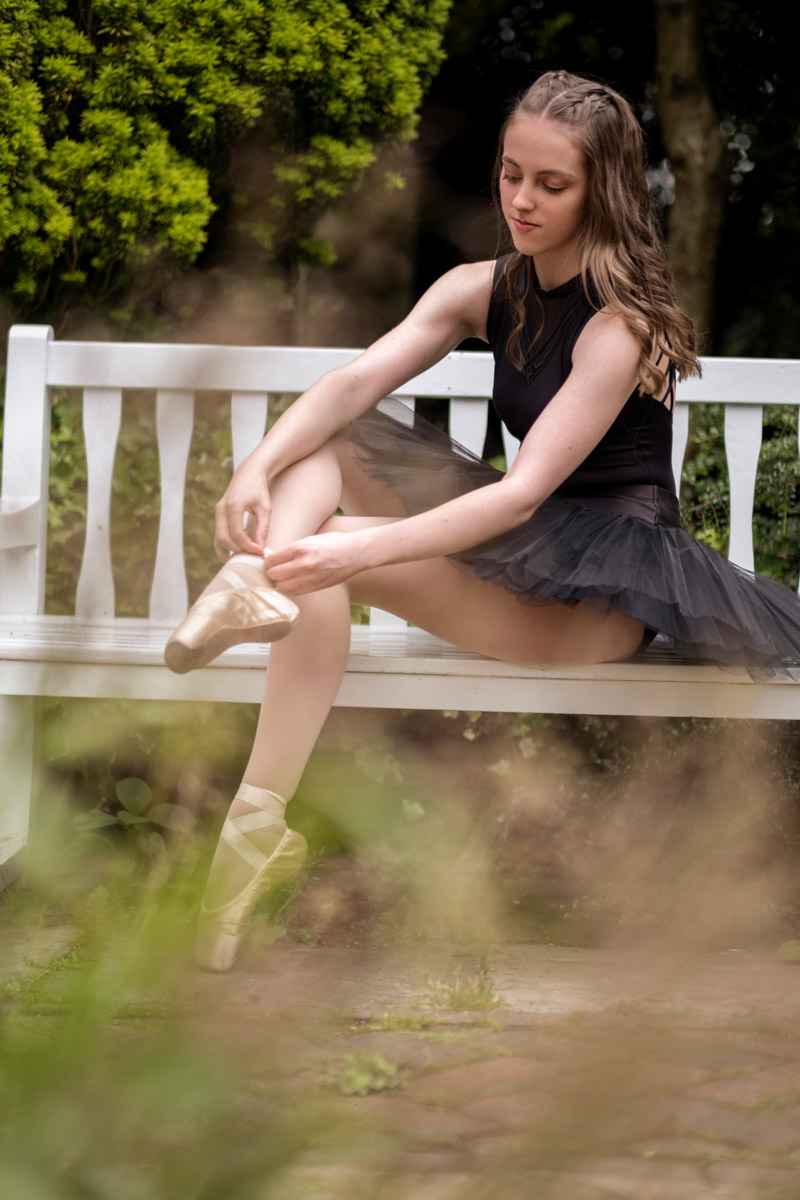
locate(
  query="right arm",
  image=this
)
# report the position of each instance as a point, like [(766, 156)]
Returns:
[(454, 308)]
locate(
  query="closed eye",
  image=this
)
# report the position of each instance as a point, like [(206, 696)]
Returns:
[(554, 191)]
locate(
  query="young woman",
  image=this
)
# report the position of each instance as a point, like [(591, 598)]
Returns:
[(584, 529)]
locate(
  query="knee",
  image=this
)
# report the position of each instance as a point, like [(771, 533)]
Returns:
[(334, 524)]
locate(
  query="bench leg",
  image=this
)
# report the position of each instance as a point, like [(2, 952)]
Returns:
[(16, 782)]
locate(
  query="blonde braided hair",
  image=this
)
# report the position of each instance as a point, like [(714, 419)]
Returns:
[(623, 265)]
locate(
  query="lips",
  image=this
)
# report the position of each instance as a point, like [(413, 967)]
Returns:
[(523, 226)]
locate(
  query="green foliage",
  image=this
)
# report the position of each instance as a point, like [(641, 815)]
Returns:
[(135, 813), (464, 995), (362, 1073), (705, 491), (117, 121)]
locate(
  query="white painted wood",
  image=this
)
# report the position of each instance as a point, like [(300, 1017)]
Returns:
[(408, 402), (680, 436), (743, 381), (406, 678), (468, 421), (248, 422), (19, 523), (16, 756), (26, 447), (102, 413), (378, 617), (511, 446), (245, 368), (169, 595), (743, 432)]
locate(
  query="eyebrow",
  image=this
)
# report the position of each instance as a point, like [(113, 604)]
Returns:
[(546, 171)]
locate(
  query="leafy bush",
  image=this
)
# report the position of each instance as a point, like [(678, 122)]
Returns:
[(705, 494), (117, 121)]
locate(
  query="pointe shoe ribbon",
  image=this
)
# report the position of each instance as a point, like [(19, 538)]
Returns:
[(220, 930), (225, 618)]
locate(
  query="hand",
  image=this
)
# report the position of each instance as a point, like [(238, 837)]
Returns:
[(316, 562), (246, 492)]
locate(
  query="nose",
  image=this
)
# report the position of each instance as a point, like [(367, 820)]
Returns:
[(523, 200)]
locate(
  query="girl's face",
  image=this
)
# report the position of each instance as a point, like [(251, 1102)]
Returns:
[(544, 186)]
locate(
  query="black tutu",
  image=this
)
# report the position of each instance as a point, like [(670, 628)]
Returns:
[(569, 553)]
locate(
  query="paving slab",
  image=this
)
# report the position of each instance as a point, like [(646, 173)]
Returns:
[(697, 989), (25, 952)]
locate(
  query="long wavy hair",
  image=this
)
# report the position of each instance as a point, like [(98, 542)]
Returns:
[(623, 264)]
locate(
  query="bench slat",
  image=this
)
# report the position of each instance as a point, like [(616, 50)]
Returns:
[(511, 446), (169, 595), (248, 422), (680, 437), (743, 431), (102, 413), (468, 422), (378, 617)]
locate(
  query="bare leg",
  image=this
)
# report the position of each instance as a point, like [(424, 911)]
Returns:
[(306, 668), (303, 677)]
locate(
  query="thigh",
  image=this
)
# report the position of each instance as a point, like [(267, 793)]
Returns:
[(450, 602), (361, 495)]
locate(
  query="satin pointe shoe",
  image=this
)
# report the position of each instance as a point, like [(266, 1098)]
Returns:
[(220, 930), (225, 618)]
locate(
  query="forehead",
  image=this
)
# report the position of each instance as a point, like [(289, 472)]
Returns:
[(541, 145)]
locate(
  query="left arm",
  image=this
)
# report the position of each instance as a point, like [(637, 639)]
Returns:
[(603, 375)]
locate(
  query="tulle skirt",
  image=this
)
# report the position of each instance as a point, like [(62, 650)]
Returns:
[(579, 550)]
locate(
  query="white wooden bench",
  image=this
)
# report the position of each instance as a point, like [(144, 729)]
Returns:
[(96, 654)]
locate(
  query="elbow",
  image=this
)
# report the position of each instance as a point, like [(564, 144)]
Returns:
[(520, 503)]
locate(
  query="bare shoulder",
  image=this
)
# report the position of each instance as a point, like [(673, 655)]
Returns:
[(607, 333), (465, 292)]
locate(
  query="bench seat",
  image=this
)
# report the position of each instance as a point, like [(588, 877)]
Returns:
[(388, 668)]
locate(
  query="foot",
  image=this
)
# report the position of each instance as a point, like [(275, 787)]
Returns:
[(239, 605), (271, 854)]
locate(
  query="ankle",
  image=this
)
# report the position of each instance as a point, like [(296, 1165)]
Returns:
[(250, 560), (250, 798)]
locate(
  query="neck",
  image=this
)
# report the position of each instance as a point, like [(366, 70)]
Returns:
[(551, 274)]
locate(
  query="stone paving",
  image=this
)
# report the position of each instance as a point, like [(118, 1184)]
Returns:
[(599, 1074), (582, 1074)]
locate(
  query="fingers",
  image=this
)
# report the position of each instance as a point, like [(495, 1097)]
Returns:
[(230, 533), (289, 570)]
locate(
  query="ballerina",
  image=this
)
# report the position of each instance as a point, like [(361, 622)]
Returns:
[(584, 529)]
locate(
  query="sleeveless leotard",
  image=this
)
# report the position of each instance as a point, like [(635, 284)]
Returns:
[(630, 469)]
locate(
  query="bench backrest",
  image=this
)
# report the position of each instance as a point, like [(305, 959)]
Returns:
[(38, 364)]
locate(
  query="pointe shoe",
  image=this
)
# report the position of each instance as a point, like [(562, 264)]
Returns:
[(220, 930), (225, 618)]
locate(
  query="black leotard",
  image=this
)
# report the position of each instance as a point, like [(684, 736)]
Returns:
[(630, 469)]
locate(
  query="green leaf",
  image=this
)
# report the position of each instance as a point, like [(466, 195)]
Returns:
[(96, 819), (171, 816), (134, 794), (128, 819), (151, 845)]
